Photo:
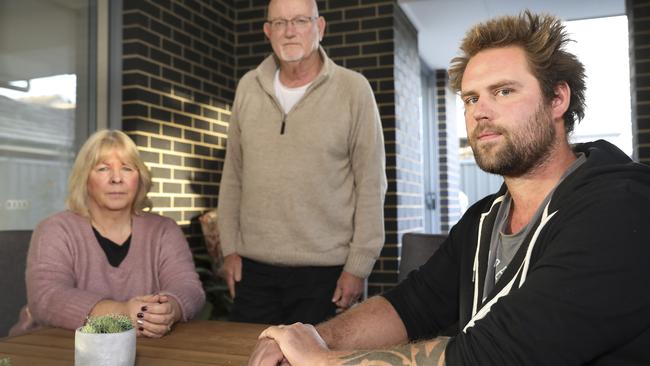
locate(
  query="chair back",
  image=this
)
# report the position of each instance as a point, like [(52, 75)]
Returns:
[(417, 248), (13, 257)]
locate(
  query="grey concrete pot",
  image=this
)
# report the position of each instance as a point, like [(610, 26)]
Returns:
[(108, 349)]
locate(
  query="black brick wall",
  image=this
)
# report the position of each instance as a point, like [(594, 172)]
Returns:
[(406, 207), (639, 23), (178, 84), (448, 147)]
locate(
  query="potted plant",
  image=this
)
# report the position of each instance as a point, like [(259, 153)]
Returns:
[(105, 340)]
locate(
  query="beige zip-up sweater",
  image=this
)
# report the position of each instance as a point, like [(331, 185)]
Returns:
[(311, 193)]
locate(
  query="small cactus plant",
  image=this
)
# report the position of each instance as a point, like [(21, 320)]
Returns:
[(111, 323)]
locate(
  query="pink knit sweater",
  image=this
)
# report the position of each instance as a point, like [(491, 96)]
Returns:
[(68, 272)]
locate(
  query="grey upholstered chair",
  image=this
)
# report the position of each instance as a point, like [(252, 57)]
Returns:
[(416, 250), (13, 255)]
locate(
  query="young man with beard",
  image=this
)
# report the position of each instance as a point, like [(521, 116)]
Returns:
[(554, 269)]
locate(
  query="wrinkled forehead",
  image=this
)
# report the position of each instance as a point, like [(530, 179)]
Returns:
[(292, 8)]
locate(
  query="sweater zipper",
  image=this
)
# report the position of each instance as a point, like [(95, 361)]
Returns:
[(284, 118)]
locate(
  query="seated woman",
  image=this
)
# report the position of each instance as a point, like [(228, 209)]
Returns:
[(105, 254)]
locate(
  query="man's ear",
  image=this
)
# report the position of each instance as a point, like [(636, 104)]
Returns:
[(320, 21), (267, 30), (561, 100)]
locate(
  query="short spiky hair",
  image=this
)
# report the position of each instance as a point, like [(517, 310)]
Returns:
[(543, 39)]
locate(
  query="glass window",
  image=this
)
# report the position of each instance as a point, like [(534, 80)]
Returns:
[(608, 114), (45, 99)]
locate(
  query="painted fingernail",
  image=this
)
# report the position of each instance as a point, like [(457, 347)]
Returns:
[(139, 321), (144, 308), (140, 329), (140, 315)]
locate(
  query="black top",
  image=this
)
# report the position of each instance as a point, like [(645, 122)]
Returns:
[(115, 253), (586, 295)]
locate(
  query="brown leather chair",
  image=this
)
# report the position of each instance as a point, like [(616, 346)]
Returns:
[(417, 248), (13, 256)]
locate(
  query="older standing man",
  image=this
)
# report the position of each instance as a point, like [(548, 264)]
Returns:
[(551, 270), (302, 193)]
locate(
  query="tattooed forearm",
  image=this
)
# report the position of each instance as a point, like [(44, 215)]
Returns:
[(412, 354)]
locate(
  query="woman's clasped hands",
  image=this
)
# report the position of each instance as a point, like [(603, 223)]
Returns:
[(153, 315)]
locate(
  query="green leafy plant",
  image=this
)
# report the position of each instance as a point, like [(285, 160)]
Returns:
[(5, 361), (111, 323)]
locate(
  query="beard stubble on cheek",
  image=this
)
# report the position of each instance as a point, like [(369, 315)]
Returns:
[(488, 155), (521, 150)]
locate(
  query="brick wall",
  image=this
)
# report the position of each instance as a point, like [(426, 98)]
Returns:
[(178, 82), (252, 45), (639, 25), (405, 205), (448, 146)]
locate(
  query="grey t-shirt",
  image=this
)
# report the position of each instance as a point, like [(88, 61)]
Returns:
[(504, 246)]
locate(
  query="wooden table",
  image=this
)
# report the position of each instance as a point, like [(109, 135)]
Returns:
[(194, 343)]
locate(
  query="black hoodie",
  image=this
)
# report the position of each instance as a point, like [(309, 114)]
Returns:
[(576, 293)]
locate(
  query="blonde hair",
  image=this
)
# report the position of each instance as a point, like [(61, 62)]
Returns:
[(91, 153), (543, 38)]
